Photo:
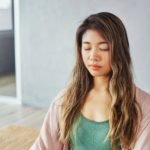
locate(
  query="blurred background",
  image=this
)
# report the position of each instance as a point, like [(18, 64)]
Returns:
[(37, 48)]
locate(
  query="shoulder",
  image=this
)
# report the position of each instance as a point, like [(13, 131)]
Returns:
[(55, 106), (49, 133), (51, 120), (140, 93), (143, 98), (144, 133)]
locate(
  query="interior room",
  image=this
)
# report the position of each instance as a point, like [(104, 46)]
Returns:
[(37, 43)]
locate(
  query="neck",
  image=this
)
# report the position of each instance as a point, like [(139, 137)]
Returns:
[(101, 83)]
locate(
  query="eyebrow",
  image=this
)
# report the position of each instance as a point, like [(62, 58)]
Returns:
[(103, 42)]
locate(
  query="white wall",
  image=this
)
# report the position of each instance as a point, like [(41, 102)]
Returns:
[(47, 31)]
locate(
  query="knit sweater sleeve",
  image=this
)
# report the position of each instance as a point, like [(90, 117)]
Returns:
[(143, 139), (48, 137)]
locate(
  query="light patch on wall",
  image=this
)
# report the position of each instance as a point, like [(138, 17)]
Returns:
[(5, 15), (5, 4)]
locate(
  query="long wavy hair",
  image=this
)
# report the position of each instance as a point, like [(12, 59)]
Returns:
[(125, 110)]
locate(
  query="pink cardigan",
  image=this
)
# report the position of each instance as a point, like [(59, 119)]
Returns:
[(48, 139)]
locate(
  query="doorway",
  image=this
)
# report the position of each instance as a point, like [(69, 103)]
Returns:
[(8, 52)]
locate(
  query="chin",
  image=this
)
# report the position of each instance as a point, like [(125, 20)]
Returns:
[(94, 74), (98, 74)]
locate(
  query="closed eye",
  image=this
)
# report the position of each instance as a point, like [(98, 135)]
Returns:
[(87, 49), (104, 46), (104, 49)]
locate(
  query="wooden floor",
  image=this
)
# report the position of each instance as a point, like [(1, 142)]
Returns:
[(21, 115)]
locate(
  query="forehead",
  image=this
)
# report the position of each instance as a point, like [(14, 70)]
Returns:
[(93, 36)]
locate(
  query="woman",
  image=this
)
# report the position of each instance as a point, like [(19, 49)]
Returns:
[(100, 108)]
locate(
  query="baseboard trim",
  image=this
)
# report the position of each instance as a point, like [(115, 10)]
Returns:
[(10, 100)]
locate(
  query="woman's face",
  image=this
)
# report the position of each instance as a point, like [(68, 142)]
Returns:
[(95, 53)]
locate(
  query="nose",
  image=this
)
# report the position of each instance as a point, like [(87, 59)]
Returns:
[(94, 55)]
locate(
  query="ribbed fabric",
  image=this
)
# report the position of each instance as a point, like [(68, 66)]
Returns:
[(90, 135)]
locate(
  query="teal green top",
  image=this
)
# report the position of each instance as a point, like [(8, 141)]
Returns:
[(90, 135)]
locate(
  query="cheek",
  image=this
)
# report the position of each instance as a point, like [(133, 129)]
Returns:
[(84, 57), (109, 65), (107, 61)]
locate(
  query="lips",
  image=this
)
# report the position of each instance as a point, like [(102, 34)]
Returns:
[(95, 67)]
